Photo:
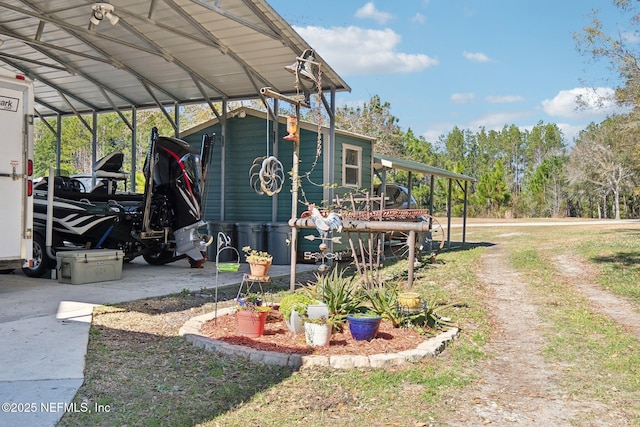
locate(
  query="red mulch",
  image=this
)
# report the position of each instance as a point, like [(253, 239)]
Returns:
[(277, 337)]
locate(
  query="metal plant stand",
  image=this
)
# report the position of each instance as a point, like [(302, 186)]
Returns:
[(223, 242)]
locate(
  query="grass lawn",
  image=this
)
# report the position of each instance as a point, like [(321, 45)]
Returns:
[(143, 374)]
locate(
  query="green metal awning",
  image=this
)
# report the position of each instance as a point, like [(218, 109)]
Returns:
[(382, 161)]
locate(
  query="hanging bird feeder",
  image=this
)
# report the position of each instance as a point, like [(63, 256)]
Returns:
[(292, 128)]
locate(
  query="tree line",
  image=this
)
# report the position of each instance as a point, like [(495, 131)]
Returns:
[(519, 172)]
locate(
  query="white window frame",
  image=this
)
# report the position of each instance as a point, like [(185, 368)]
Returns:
[(358, 150)]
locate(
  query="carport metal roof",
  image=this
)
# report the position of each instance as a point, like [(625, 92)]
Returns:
[(383, 162), (161, 52), (388, 162)]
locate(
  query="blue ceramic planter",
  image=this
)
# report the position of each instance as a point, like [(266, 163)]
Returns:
[(363, 328)]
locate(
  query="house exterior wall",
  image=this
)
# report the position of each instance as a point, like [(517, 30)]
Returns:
[(366, 171), (246, 140)]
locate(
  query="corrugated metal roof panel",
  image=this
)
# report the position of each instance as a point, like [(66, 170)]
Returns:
[(169, 50), (381, 160)]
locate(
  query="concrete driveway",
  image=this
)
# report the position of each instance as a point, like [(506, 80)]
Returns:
[(44, 329)]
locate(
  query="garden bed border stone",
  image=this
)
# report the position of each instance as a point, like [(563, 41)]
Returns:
[(431, 347)]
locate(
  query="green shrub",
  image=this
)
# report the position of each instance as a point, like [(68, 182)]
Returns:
[(295, 301)]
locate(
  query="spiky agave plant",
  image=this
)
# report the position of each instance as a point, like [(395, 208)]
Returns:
[(340, 291)]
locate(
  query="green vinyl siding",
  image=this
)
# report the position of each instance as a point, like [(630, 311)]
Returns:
[(247, 140), (311, 176)]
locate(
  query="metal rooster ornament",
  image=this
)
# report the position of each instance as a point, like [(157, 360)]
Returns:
[(323, 224)]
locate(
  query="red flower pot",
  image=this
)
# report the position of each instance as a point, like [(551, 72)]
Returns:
[(251, 323)]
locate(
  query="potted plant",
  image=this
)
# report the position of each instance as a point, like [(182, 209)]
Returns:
[(292, 307), (251, 318), (251, 298), (409, 300), (364, 326), (383, 301), (259, 261), (317, 332), (254, 299), (340, 295)]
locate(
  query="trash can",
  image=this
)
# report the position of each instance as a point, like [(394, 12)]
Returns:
[(228, 228), (250, 234), (278, 238)]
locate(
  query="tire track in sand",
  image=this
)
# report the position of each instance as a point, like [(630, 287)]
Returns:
[(620, 310), (516, 386)]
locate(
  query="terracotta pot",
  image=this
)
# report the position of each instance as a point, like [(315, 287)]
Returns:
[(251, 323), (260, 268)]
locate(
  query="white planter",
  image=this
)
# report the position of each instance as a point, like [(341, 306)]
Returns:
[(294, 323), (317, 334), (317, 311)]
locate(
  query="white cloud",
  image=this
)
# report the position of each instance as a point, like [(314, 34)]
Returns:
[(581, 103), (359, 51), (506, 99), (630, 37), (570, 132), (462, 98), (476, 57), (419, 18), (496, 121), (369, 11), (432, 135)]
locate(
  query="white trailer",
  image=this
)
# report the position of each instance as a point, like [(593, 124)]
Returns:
[(16, 171)]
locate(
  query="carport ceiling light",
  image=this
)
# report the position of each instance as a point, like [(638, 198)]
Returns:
[(102, 10)]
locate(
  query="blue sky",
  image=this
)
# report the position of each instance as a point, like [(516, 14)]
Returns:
[(465, 63)]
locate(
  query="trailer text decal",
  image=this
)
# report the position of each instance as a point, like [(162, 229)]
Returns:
[(8, 103)]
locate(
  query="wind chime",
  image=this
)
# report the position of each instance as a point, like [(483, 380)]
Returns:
[(306, 68), (266, 175)]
